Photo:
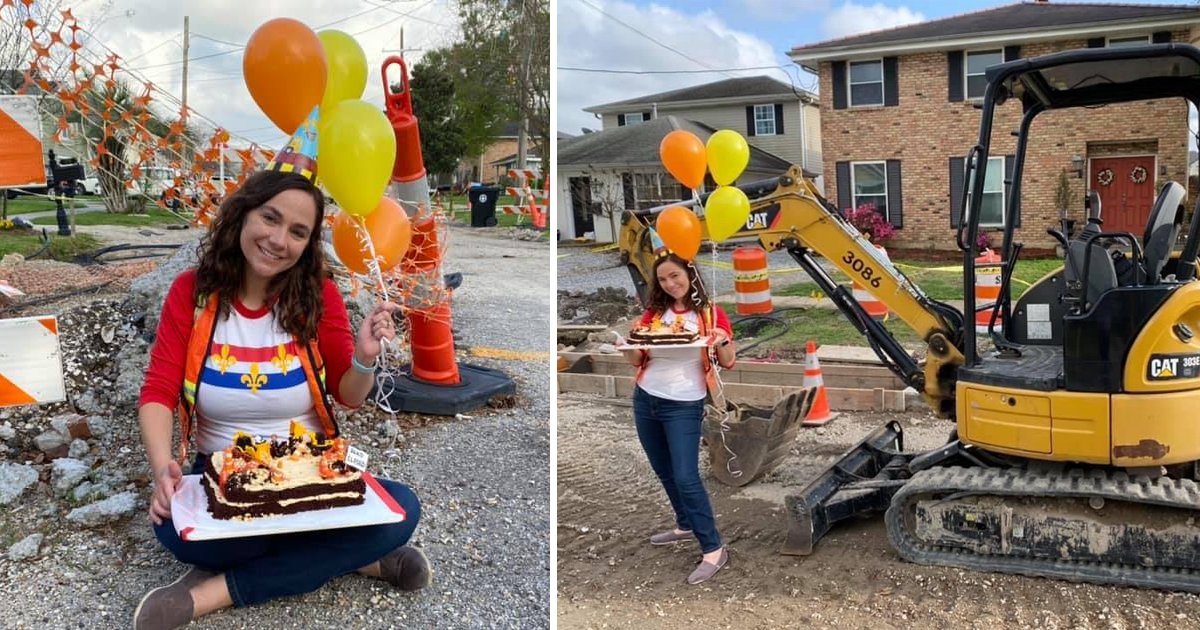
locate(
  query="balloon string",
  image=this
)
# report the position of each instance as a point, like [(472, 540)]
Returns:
[(385, 383)]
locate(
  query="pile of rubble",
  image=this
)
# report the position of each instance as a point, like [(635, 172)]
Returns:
[(607, 306)]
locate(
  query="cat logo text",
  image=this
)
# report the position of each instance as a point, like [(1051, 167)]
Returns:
[(1164, 367)]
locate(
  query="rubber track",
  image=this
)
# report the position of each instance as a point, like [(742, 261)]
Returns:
[(1108, 485)]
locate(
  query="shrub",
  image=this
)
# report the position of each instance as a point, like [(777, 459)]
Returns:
[(982, 241), (871, 223)]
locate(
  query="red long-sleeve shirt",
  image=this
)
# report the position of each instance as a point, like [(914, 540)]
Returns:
[(164, 375)]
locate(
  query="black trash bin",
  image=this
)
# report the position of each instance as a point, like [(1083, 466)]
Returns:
[(483, 205)]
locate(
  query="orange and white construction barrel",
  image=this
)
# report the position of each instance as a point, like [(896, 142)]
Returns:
[(875, 308), (750, 282), (987, 289)]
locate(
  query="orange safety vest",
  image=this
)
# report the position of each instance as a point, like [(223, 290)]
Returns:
[(708, 355), (204, 325)]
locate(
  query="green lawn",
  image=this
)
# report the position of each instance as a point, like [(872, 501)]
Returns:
[(154, 216), (940, 280), (795, 326), (61, 248)]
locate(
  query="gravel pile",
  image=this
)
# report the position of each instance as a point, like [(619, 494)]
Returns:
[(79, 553)]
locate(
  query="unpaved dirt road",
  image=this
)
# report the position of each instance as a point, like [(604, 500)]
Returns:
[(609, 576)]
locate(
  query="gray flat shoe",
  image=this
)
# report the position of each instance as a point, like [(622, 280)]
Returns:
[(706, 570), (669, 537)]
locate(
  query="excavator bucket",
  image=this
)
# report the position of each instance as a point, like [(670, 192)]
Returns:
[(751, 441), (861, 482)]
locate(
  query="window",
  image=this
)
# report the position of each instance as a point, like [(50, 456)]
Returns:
[(1122, 42), (634, 118), (764, 120), (977, 62), (991, 212), (866, 83), (648, 190), (869, 183)]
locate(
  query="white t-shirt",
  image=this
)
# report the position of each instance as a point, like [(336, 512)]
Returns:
[(252, 381), (676, 373)]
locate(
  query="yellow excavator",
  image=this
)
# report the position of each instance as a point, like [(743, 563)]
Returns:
[(1075, 452)]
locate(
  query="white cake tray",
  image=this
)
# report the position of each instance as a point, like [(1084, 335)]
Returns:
[(189, 511), (698, 343)]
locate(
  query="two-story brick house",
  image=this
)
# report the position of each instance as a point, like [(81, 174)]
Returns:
[(773, 116), (898, 115)]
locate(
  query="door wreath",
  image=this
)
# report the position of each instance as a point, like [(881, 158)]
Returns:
[(1137, 175), (1105, 177)]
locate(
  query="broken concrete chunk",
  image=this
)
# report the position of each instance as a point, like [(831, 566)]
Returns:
[(14, 480), (26, 548), (67, 473), (101, 512)]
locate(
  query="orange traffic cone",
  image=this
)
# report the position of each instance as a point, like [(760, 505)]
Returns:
[(819, 414)]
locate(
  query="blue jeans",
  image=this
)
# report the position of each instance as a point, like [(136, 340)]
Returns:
[(669, 431), (260, 568)]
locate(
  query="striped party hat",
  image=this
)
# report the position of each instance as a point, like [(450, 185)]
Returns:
[(300, 154)]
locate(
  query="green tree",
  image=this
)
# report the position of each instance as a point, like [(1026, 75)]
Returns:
[(433, 101)]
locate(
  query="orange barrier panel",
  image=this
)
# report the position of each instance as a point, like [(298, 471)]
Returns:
[(987, 290), (750, 281)]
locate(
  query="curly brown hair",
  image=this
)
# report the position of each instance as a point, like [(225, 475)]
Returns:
[(222, 264), (660, 301)]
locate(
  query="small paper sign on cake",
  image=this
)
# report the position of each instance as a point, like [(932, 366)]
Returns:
[(356, 458)]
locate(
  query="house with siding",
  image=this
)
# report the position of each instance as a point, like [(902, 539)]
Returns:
[(602, 174), (899, 114), (773, 116)]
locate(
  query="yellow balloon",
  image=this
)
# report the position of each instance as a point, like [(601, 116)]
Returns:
[(725, 212), (357, 151), (345, 67), (728, 155)]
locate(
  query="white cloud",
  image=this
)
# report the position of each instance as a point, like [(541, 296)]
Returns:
[(150, 38), (588, 39), (851, 18)]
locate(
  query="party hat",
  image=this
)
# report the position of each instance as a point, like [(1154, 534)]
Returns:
[(656, 243), (300, 154)]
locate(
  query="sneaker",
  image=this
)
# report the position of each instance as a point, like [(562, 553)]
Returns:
[(669, 537), (168, 607), (406, 568), (706, 570)]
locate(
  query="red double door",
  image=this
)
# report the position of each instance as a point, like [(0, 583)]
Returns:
[(1126, 188)]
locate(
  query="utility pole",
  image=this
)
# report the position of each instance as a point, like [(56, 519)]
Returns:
[(183, 113), (526, 60), (401, 49)]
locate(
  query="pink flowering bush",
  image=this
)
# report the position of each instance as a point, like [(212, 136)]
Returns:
[(983, 241), (871, 223)]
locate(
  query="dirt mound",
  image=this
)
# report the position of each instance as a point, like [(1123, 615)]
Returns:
[(607, 306)]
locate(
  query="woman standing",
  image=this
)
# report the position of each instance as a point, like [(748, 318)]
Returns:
[(261, 290), (668, 403)]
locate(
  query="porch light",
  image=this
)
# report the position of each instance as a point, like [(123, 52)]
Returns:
[(1077, 165)]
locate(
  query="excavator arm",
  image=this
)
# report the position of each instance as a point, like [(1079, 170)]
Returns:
[(788, 213)]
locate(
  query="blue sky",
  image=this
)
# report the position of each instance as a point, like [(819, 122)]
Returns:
[(718, 34)]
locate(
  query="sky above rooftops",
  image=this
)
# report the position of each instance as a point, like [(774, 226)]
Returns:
[(708, 40)]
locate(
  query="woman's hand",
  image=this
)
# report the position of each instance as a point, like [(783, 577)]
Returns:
[(719, 336), (374, 328), (165, 484)]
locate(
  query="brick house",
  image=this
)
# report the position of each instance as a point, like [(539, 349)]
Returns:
[(771, 115), (901, 114)]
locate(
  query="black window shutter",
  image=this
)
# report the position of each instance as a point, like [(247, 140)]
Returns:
[(954, 70), (620, 120), (1012, 52), (891, 86), (957, 182), (895, 202), (845, 199), (749, 120), (627, 189), (647, 116), (779, 119), (838, 70), (1161, 37), (1009, 162), (1096, 42)]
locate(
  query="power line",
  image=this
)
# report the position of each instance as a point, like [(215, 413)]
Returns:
[(398, 17), (648, 37), (606, 71), (219, 41)]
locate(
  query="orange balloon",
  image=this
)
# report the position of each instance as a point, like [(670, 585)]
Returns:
[(684, 156), (284, 67), (679, 230), (390, 232)]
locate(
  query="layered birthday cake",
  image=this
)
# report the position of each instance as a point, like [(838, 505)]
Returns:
[(656, 333), (258, 477)]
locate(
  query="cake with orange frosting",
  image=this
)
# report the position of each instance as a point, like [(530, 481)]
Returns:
[(258, 477), (657, 333)]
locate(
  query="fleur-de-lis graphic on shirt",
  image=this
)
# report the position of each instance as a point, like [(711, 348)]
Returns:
[(282, 359), (224, 360), (254, 380)]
